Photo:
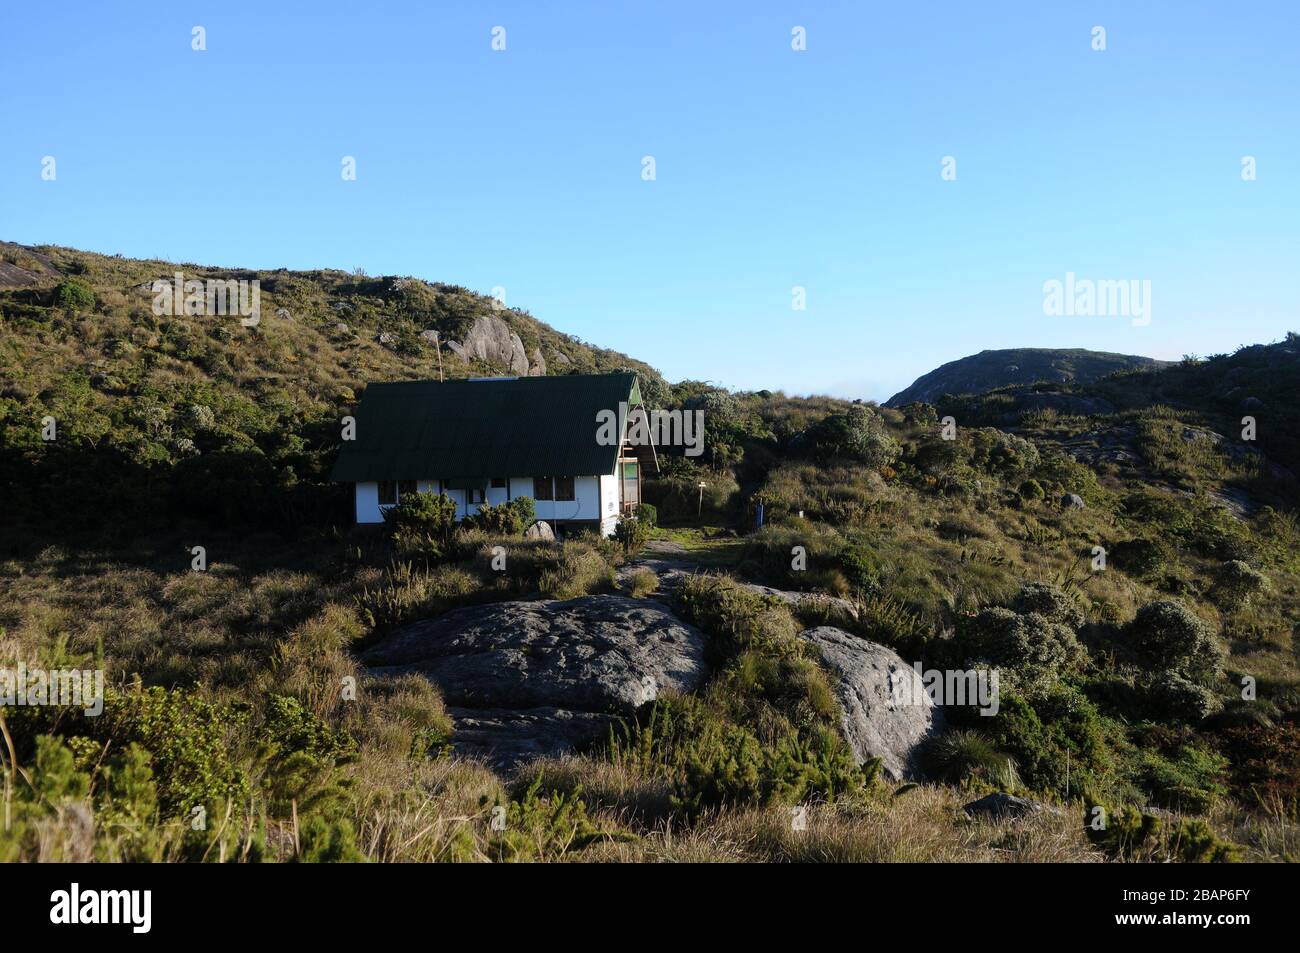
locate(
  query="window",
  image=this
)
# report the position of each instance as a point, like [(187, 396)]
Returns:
[(498, 483), (405, 487), (387, 492), (542, 488), (564, 488), (474, 495)]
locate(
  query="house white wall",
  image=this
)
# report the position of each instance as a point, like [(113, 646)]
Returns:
[(609, 497), (586, 504)]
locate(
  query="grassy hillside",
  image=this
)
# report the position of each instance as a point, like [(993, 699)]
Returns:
[(167, 417), (1162, 683)]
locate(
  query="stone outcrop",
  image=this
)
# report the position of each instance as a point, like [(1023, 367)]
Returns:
[(886, 711), (525, 678), (490, 339)]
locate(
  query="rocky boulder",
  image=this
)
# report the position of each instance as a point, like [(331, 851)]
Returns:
[(887, 711), (806, 600), (525, 678), (490, 339), (998, 806), (540, 530)]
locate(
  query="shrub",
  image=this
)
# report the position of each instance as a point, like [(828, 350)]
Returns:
[(1171, 695), (1236, 583), (328, 842), (735, 618), (506, 519), (1032, 490), (854, 434), (422, 514), (1030, 650), (1061, 727), (1141, 557), (631, 532), (1190, 779), (1051, 602), (544, 825), (73, 296), (1167, 635), (1129, 834), (648, 514)]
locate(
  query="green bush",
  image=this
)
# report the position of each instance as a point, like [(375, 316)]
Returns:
[(1171, 695), (1236, 583), (855, 434), (422, 514), (505, 519), (73, 296), (1128, 834), (631, 533), (1030, 651), (1142, 558), (328, 842), (544, 825), (1168, 636), (648, 513), (1051, 602), (1032, 490)]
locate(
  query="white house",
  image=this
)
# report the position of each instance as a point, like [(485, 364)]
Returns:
[(494, 439)]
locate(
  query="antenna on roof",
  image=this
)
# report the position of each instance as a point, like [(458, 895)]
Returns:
[(438, 346)]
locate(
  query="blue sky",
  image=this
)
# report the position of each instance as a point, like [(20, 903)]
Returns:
[(774, 168)]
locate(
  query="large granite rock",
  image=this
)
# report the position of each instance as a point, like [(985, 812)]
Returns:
[(525, 678), (887, 712), (490, 339), (806, 600)]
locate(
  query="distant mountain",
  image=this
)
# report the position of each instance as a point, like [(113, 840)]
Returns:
[(989, 370)]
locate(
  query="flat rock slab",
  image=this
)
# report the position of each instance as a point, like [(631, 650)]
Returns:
[(887, 711), (503, 737), (527, 678)]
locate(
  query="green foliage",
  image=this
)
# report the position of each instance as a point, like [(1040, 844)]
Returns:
[(505, 519), (1170, 694), (1052, 603), (328, 842), (764, 732), (1190, 778), (712, 761), (962, 756), (73, 295), (1141, 557), (856, 434), (1129, 834), (188, 739), (431, 515), (1030, 651), (1032, 490), (1168, 636), (648, 513), (631, 533), (1236, 583), (544, 825), (735, 618), (1059, 743), (293, 728)]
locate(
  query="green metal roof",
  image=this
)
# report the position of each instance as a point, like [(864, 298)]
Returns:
[(472, 429)]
